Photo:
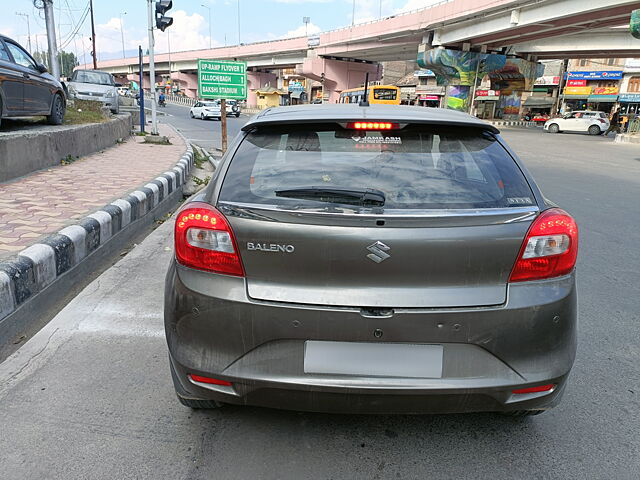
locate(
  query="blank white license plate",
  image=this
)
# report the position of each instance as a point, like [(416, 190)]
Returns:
[(373, 359)]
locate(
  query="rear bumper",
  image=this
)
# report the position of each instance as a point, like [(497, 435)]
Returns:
[(213, 329)]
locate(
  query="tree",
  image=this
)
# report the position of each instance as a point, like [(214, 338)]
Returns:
[(68, 62)]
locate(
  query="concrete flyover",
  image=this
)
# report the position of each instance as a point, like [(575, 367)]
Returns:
[(339, 58)]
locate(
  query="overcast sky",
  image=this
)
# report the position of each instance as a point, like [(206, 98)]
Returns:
[(259, 20)]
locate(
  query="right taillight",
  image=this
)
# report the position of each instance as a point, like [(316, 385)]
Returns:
[(550, 248), (204, 240)]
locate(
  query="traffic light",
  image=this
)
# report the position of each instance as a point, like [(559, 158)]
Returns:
[(162, 22)]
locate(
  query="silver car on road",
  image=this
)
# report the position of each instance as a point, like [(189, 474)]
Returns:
[(96, 86), (374, 259)]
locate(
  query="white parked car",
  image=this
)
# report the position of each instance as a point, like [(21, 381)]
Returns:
[(204, 110), (585, 121), (232, 108)]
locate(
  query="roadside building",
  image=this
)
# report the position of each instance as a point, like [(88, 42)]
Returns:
[(541, 101), (592, 84), (269, 97), (629, 97)]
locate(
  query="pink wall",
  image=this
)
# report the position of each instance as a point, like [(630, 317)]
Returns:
[(338, 75)]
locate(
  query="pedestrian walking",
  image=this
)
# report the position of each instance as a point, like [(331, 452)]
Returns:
[(614, 123)]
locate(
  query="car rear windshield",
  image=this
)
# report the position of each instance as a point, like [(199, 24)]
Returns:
[(415, 167)]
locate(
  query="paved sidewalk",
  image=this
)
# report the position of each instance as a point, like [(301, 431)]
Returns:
[(46, 201)]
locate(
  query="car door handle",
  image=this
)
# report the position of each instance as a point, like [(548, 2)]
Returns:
[(26, 75)]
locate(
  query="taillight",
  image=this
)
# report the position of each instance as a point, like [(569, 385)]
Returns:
[(372, 126), (538, 389), (602, 120), (204, 240), (211, 381), (550, 248)]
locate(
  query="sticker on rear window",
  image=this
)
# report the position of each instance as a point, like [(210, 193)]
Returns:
[(377, 140), (519, 200)]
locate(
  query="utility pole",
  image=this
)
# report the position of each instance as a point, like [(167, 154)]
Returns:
[(51, 38), (209, 9), (28, 30), (152, 68), (122, 31), (93, 37), (238, 22)]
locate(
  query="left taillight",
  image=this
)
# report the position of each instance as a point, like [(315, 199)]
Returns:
[(550, 248), (204, 240)]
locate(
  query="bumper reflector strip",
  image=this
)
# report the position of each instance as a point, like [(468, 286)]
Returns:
[(539, 388), (213, 381)]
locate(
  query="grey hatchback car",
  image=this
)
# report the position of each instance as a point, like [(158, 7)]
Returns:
[(374, 259)]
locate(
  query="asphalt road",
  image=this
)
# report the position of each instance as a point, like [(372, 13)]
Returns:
[(90, 395), (205, 133)]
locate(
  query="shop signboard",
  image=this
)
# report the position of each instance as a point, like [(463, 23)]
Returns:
[(221, 79), (577, 91), (423, 73), (605, 91), (547, 80), (429, 97), (596, 75), (487, 93), (629, 98), (576, 83)]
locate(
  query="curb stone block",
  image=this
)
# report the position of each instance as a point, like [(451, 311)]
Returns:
[(39, 265), (104, 219), (125, 211), (44, 263), (78, 236), (7, 297), (64, 251)]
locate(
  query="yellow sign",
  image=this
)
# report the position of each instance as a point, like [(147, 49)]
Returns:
[(577, 90)]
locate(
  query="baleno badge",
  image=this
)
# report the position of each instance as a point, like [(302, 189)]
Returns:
[(378, 252), (270, 247)]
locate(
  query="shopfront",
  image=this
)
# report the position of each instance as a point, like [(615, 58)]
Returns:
[(486, 103), (428, 100), (597, 90), (629, 103)]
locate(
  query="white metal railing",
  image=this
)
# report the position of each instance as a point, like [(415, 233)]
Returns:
[(175, 99)]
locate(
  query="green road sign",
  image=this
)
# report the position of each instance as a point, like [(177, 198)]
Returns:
[(219, 79)]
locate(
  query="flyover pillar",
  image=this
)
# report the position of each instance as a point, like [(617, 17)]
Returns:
[(459, 71), (187, 82), (338, 75)]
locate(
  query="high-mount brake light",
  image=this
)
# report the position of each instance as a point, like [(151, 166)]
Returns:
[(372, 126), (550, 248), (204, 240)]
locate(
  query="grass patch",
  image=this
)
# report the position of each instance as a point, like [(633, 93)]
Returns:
[(198, 158), (84, 111)]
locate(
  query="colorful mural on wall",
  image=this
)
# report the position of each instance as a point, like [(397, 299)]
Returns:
[(455, 67), (458, 97)]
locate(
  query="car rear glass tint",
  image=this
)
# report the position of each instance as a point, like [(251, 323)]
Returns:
[(416, 167)]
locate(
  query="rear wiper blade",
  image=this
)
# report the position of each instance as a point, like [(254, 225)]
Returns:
[(352, 196)]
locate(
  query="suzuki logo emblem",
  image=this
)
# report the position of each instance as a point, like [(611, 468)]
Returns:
[(378, 252)]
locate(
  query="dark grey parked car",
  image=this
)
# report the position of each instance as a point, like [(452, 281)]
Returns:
[(26, 88), (372, 259)]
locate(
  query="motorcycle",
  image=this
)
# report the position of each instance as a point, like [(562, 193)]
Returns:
[(162, 103)]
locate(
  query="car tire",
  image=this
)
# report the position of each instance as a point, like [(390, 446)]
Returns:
[(56, 117), (522, 413), (0, 112), (594, 130), (186, 399), (554, 128), (238, 115), (191, 114)]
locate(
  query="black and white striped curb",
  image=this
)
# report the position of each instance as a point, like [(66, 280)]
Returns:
[(39, 265)]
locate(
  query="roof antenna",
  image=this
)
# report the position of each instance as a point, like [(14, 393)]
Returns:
[(365, 101)]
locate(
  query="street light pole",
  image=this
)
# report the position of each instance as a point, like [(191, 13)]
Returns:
[(28, 30), (93, 38), (152, 70), (122, 31), (209, 9)]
